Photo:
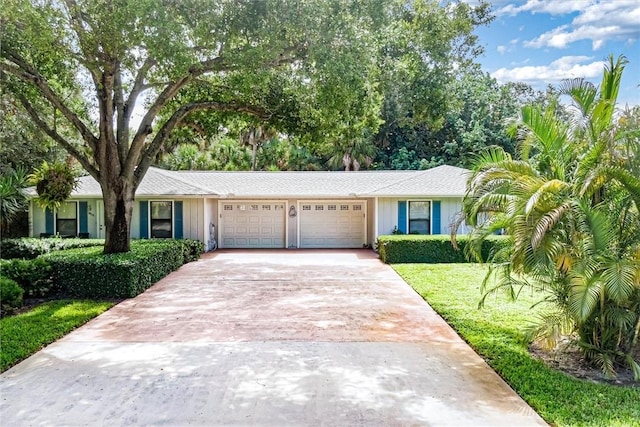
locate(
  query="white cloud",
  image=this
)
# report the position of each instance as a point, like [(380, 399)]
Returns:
[(502, 49), (566, 67), (598, 21), (553, 7), (560, 38)]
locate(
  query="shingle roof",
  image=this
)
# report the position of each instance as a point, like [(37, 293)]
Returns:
[(439, 181)]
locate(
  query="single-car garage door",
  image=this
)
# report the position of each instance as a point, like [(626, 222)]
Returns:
[(332, 224), (252, 224)]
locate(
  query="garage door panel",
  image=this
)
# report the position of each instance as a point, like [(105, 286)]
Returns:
[(253, 225), (332, 224)]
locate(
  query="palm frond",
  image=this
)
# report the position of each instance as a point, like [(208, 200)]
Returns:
[(634, 365), (611, 78), (585, 296), (619, 279), (547, 222), (582, 92), (550, 328), (554, 186)]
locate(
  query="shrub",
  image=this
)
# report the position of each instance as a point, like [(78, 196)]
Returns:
[(89, 272), (33, 275), (32, 247), (434, 249), (192, 249), (10, 295)]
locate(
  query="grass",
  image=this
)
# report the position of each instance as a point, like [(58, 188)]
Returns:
[(25, 333), (496, 333)]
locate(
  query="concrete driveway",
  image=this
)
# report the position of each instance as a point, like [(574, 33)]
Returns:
[(273, 338)]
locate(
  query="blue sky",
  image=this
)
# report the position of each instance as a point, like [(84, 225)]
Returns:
[(542, 42)]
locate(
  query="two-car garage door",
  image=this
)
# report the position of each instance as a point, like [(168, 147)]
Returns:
[(320, 224)]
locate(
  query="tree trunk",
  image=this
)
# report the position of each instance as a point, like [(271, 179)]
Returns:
[(118, 198), (254, 149)]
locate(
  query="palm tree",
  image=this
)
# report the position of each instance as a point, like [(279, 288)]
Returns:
[(188, 157), (352, 154), (227, 154), (12, 197), (569, 204), (255, 137)]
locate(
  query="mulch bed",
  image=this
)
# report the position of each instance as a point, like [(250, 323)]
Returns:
[(566, 357)]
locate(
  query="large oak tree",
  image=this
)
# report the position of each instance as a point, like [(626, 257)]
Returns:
[(92, 63), (110, 80)]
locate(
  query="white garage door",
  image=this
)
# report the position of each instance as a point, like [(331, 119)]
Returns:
[(252, 225), (332, 224)]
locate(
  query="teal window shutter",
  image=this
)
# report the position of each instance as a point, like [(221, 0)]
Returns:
[(48, 221), (402, 216), (436, 224), (84, 217), (144, 219), (177, 222)]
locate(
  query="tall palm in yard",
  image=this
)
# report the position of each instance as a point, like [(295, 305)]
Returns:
[(352, 154), (570, 206)]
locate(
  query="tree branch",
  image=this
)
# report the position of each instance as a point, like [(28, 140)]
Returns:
[(81, 157), (214, 64), (167, 94), (88, 58), (138, 86), (177, 117), (25, 72)]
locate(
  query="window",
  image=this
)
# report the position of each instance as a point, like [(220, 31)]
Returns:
[(319, 207), (266, 207), (357, 207), (331, 207), (254, 207), (419, 217), (228, 207), (67, 219), (306, 207), (344, 207), (161, 220)]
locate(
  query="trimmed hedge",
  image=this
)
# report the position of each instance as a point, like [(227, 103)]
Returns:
[(32, 247), (10, 295), (90, 273), (432, 249), (33, 275)]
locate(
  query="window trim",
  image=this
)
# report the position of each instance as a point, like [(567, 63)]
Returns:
[(55, 220), (150, 218), (408, 201)]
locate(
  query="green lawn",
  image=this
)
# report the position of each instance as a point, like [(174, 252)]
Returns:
[(495, 332), (24, 334)]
